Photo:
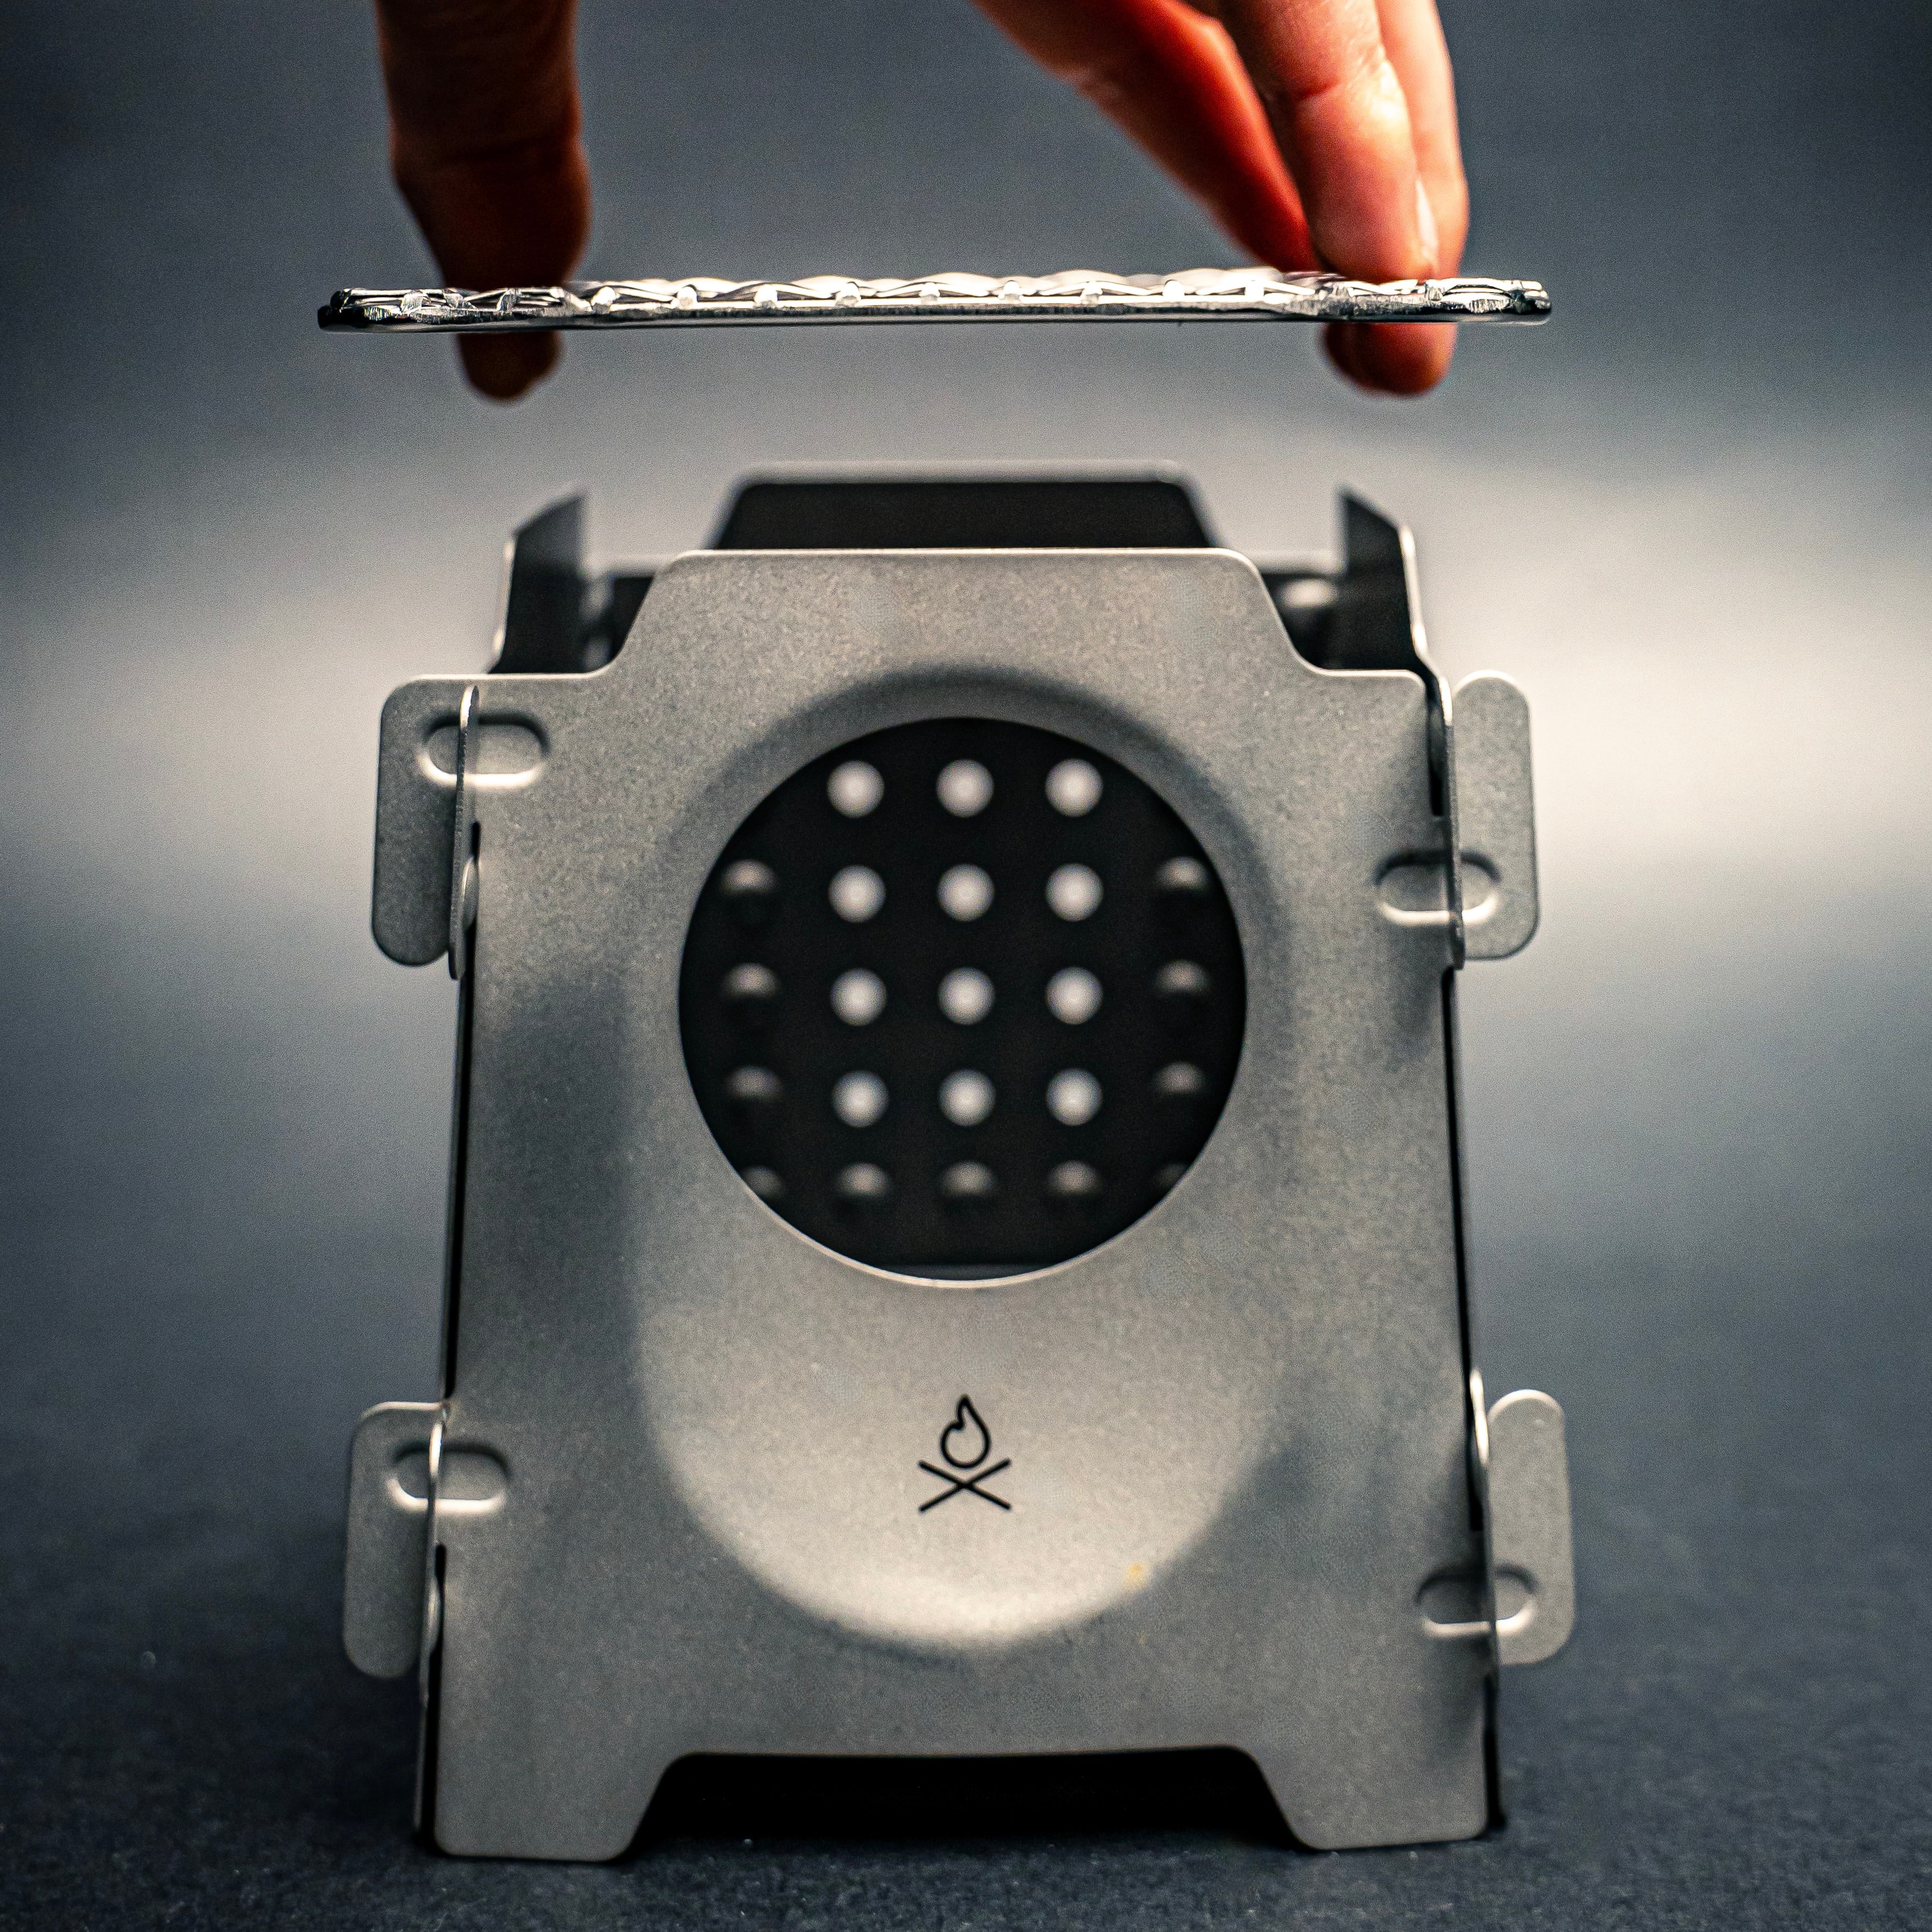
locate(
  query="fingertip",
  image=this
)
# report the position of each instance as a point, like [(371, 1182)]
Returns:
[(1338, 340), (1392, 359), (1405, 358), (506, 367)]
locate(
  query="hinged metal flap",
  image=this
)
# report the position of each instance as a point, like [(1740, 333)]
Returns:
[(388, 1524), (1497, 816), (1529, 1528), (1376, 625), (403, 1481), (543, 592), (645, 1348), (462, 879), (444, 741)]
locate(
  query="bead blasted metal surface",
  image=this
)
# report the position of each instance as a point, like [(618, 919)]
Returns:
[(1187, 1488), (1076, 295)]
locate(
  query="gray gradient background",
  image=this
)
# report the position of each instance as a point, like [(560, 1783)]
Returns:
[(1690, 516)]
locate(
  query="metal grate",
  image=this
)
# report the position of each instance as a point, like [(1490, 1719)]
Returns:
[(962, 997)]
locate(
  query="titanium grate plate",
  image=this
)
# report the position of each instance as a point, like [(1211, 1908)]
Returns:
[(1076, 295)]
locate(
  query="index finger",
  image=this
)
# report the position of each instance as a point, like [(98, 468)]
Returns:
[(484, 144), (1337, 106)]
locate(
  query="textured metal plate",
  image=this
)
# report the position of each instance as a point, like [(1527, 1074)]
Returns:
[(1078, 294)]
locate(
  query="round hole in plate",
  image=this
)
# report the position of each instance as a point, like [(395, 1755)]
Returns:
[(855, 788), (1073, 1096), (858, 997), (1179, 1080), (864, 1186), (1182, 881), (965, 787), (1073, 996), (965, 892), (966, 996), (966, 1097), (752, 993), (754, 1087), (1073, 1181), (968, 1183), (859, 1099), (750, 889), (1074, 893), (1073, 787), (857, 893), (1181, 985)]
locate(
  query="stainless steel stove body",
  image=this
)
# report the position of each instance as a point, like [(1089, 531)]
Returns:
[(698, 1481)]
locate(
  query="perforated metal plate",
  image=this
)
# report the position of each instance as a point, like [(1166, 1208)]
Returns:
[(962, 997)]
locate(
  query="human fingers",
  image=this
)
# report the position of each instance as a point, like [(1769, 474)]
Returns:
[(484, 142), (1337, 106), (1171, 78), (1135, 58), (1405, 358), (1396, 358), (1362, 98), (1412, 38)]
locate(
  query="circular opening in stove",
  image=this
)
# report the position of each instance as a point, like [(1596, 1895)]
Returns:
[(962, 998)]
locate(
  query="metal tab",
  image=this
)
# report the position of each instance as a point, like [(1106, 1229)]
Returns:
[(402, 1482), (389, 1520), (1496, 813), (1522, 1605), (1529, 1528), (1376, 625), (430, 1597), (463, 882), (543, 592)]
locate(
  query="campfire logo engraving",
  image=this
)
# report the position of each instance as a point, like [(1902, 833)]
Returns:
[(964, 1444)]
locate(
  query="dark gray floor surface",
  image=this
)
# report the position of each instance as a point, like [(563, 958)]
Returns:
[(1726, 1284)]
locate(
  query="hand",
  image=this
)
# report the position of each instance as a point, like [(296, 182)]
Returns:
[(1318, 133)]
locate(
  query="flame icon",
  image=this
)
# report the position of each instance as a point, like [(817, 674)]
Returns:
[(965, 1441)]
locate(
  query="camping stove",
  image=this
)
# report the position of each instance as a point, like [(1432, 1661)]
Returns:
[(956, 1241)]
